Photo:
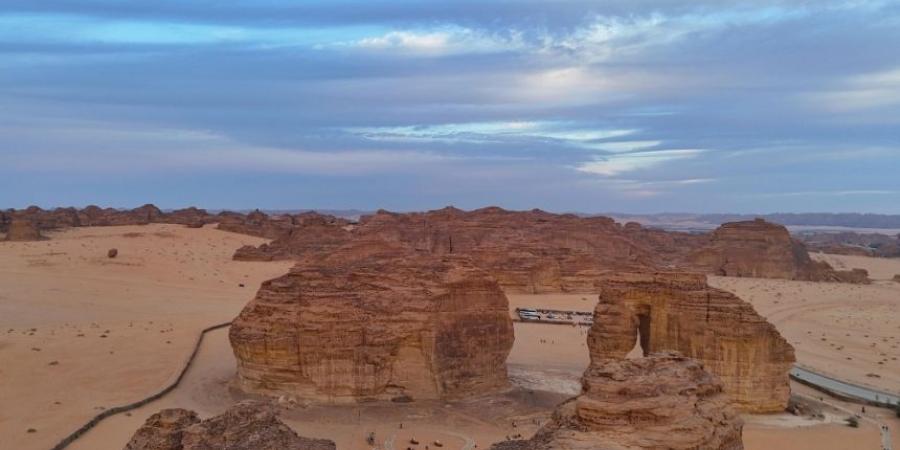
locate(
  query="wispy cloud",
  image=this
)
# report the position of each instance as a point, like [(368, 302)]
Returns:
[(630, 162)]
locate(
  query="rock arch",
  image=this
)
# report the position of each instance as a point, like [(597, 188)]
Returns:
[(680, 312)]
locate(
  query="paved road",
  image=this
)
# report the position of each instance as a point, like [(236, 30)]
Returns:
[(844, 388)]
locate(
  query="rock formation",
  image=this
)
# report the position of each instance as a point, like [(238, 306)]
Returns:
[(23, 230), (257, 223), (680, 312), (244, 426), (371, 322), (530, 251), (311, 235), (191, 217), (112, 253), (897, 277), (662, 401), (761, 249)]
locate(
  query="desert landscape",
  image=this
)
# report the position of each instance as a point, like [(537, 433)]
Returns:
[(376, 334)]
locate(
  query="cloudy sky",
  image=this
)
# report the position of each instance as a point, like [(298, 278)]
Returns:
[(620, 105)]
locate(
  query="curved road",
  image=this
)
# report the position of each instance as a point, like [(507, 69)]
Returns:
[(845, 389), (851, 391)]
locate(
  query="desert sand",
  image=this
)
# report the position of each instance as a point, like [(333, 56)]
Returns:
[(845, 330), (81, 332)]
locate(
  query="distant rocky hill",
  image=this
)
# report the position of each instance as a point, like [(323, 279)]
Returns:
[(700, 222)]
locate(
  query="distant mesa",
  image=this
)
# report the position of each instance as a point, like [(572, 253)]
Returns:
[(661, 401), (762, 249), (245, 426), (680, 312), (375, 322)]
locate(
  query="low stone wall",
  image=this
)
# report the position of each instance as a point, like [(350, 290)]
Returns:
[(131, 406)]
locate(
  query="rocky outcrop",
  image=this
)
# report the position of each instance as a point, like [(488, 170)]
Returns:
[(191, 217), (662, 401), (244, 426), (372, 322), (23, 230), (760, 249), (311, 235), (257, 223), (897, 277), (680, 312)]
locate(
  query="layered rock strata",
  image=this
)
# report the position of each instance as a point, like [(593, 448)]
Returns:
[(373, 323), (662, 401), (680, 312), (763, 250), (244, 426)]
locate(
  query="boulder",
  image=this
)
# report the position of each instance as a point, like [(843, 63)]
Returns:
[(245, 426), (112, 253), (375, 323), (680, 312)]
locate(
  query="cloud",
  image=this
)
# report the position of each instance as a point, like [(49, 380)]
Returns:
[(560, 102), (630, 162)]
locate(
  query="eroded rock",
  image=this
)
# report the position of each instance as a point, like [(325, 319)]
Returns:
[(762, 249), (244, 426), (374, 323), (680, 312), (23, 230), (662, 401)]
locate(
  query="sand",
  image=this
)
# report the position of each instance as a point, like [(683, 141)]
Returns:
[(80, 332), (59, 298), (845, 330)]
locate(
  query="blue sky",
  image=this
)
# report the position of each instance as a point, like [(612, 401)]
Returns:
[(635, 106)]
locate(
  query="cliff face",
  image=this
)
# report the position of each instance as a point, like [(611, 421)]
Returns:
[(680, 312), (244, 426), (764, 250), (663, 401), (375, 325)]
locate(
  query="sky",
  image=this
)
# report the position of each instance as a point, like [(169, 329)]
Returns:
[(621, 105)]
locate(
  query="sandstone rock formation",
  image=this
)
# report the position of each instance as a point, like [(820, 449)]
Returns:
[(680, 312), (244, 426), (375, 323), (662, 401), (761, 249), (531, 251), (311, 235), (23, 230), (257, 223)]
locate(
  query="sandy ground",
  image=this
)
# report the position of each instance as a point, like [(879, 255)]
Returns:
[(849, 331), (80, 332), (120, 329), (207, 390)]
